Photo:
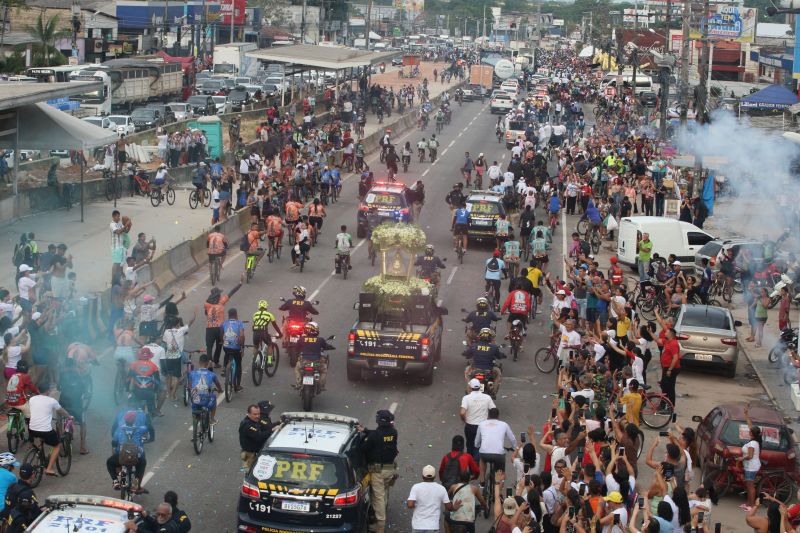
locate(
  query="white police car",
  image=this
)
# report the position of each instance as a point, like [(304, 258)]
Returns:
[(80, 512)]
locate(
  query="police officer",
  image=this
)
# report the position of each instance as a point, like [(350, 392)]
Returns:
[(311, 348), (298, 307), (482, 355), (482, 317), (380, 451), (253, 433), (429, 264)]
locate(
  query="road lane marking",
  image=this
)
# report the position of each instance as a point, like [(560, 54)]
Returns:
[(426, 172), (451, 143), (444, 152), (452, 273), (149, 475), (393, 407), (333, 272)]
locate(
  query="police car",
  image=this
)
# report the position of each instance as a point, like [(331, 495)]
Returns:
[(384, 201), (485, 208), (78, 512), (310, 476)]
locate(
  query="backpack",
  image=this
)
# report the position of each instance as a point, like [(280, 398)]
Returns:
[(452, 470), (244, 244), (493, 265), (71, 386), (585, 249), (128, 451), (20, 253)]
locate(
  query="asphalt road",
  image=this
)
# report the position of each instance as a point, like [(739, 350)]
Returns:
[(427, 417)]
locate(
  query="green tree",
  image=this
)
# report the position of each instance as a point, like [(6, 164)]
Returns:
[(46, 32)]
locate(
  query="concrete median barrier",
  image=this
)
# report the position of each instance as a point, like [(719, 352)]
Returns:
[(199, 248), (161, 272), (181, 261)]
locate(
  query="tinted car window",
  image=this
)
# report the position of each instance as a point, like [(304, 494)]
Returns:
[(303, 470), (706, 317), (197, 100), (710, 249), (696, 238), (144, 113), (483, 208), (516, 125), (736, 433)]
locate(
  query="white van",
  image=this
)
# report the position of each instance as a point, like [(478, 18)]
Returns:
[(644, 83), (669, 236)]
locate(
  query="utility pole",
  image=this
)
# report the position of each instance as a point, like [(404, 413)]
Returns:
[(166, 26), (303, 24), (233, 19), (484, 24), (684, 89), (76, 26), (635, 51), (700, 102), (665, 74), (368, 24)]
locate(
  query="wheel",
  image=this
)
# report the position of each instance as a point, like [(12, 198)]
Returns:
[(215, 272), (293, 356), (353, 374), (87, 396), (719, 478), (170, 196), (34, 458), (257, 368), (197, 430), (789, 375), (595, 243), (514, 351), (119, 386), (64, 459), (714, 302), (13, 435), (193, 199), (270, 252), (776, 352), (460, 256), (778, 485), (228, 383), (271, 364), (773, 301), (727, 295), (656, 411), (581, 227), (155, 197), (427, 378), (345, 267), (210, 432), (545, 360), (206, 198), (186, 391), (249, 274), (109, 190), (639, 442), (125, 491), (361, 232), (307, 395)]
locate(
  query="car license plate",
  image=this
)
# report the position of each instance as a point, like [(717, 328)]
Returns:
[(392, 364), (303, 507), (294, 339), (483, 222), (308, 380), (703, 357)]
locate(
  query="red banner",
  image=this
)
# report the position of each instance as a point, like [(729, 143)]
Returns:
[(225, 10)]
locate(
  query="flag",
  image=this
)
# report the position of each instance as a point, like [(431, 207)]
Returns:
[(708, 193)]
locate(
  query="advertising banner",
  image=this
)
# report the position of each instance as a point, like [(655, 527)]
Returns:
[(225, 7), (410, 5), (729, 23)]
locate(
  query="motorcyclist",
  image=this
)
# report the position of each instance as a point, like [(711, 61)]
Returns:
[(439, 119), (479, 319), (433, 146), (482, 354), (429, 265), (298, 308), (311, 348)]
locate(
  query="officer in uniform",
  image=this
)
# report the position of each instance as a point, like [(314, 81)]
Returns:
[(482, 317), (253, 433), (311, 348), (482, 355), (380, 451), (429, 264)]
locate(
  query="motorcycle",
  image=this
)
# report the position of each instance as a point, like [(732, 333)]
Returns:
[(293, 331), (486, 380), (515, 338), (775, 295), (310, 383), (421, 153)]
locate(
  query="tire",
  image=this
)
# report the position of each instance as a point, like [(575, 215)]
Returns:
[(582, 226), (778, 485), (119, 388), (34, 459), (639, 443), (193, 199), (270, 370), (353, 374), (256, 370), (545, 360), (293, 356), (719, 478), (714, 302), (789, 375), (210, 430), (170, 196), (773, 301), (228, 383), (186, 391), (197, 436), (125, 493), (13, 437), (427, 378), (776, 352), (307, 395), (656, 411), (595, 243), (87, 397), (207, 198), (64, 459), (514, 352), (345, 268), (109, 189), (155, 198)]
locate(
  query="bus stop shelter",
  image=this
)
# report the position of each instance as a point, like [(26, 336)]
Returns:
[(304, 57), (27, 122)]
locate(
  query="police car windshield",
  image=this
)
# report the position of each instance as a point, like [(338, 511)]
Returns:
[(516, 125), (483, 208), (302, 470), (383, 198)]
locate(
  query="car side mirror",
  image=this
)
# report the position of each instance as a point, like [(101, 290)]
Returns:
[(737, 323), (355, 306), (697, 418)]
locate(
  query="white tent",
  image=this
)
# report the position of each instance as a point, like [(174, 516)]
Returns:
[(374, 36), (588, 51), (46, 128)]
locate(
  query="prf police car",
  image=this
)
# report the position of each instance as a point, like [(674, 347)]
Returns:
[(485, 208), (78, 512), (310, 476)]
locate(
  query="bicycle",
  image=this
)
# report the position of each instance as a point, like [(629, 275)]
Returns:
[(188, 367), (194, 200), (17, 430), (120, 382), (265, 363), (250, 266), (344, 263), (202, 427), (157, 194), (230, 374), (274, 248), (215, 267), (656, 411), (775, 482), (38, 459), (594, 239), (113, 187), (546, 358), (721, 287), (460, 249), (492, 467)]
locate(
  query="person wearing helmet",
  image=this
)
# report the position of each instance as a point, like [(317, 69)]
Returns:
[(19, 389), (380, 451), (311, 348), (262, 319), (7, 478), (482, 355), (482, 317), (127, 444), (494, 268), (460, 226), (214, 308), (233, 344), (145, 380), (298, 307), (433, 146), (428, 265), (518, 305)]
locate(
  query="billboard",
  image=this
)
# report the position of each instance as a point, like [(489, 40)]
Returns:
[(225, 7), (730, 23), (414, 6)]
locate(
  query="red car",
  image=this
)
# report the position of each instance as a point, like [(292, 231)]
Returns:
[(722, 433)]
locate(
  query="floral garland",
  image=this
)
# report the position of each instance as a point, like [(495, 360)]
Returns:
[(387, 290), (407, 236)]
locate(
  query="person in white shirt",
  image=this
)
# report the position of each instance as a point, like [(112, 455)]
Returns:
[(494, 172), (426, 499), (516, 151), (570, 339), (616, 518), (559, 130), (174, 336), (586, 391), (474, 410), (490, 441), (42, 407), (751, 458), (27, 288)]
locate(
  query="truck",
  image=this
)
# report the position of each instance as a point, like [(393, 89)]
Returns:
[(481, 75), (231, 59)]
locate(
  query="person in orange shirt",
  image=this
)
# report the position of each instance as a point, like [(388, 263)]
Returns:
[(275, 226), (293, 212), (253, 239), (215, 314), (217, 246)]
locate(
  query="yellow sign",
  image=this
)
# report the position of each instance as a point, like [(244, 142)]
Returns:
[(298, 471)]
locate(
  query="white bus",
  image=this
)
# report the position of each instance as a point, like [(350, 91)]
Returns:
[(54, 74)]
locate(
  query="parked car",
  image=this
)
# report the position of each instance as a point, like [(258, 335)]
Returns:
[(145, 118), (707, 337), (203, 105), (124, 124), (648, 99), (222, 103), (397, 61), (270, 90), (715, 249), (182, 110), (667, 234), (165, 110)]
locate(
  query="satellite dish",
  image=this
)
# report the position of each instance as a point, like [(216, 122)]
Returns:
[(504, 69)]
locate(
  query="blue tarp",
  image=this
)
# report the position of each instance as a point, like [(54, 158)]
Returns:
[(772, 97)]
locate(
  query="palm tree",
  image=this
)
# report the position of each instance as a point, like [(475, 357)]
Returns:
[(46, 32)]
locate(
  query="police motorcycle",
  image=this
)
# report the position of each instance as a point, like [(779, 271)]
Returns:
[(310, 377), (486, 378)]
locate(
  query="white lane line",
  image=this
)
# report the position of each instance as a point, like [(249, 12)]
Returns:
[(563, 243), (451, 143), (450, 277), (148, 476), (333, 272), (444, 151), (460, 134), (426, 171), (393, 407)]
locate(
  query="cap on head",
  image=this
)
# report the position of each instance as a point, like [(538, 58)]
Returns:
[(26, 471), (428, 472), (25, 268), (509, 506), (614, 497), (474, 384)]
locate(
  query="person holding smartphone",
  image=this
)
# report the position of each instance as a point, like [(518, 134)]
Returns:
[(616, 518), (751, 460)]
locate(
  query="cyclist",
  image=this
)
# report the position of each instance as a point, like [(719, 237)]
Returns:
[(311, 348), (292, 211), (232, 344), (407, 154), (129, 438), (214, 309), (199, 182), (433, 146), (482, 317), (511, 254), (546, 233), (42, 407), (262, 319), (460, 226), (359, 155), (539, 247), (203, 382), (344, 245), (553, 209), (161, 176), (217, 247), (439, 120), (502, 228), (526, 222), (429, 265), (392, 159), (145, 380), (275, 227), (455, 198), (19, 390), (481, 355), (316, 212), (493, 269), (298, 308), (421, 147), (535, 275), (252, 240)]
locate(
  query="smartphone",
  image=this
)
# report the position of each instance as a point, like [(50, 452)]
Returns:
[(700, 518), (674, 417), (663, 433), (509, 492), (522, 437), (572, 512), (641, 503), (527, 479), (553, 412), (621, 450), (582, 489), (575, 476), (616, 519), (560, 393)]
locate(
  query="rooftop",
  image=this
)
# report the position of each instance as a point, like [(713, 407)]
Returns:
[(19, 94), (774, 30), (314, 435), (315, 56)]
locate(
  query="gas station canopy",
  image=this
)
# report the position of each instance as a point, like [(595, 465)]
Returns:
[(320, 57)]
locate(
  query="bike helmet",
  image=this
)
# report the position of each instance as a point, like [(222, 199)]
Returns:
[(517, 323), (22, 366), (482, 303), (312, 328), (263, 304), (384, 417), (144, 353), (486, 334), (299, 291), (8, 459)]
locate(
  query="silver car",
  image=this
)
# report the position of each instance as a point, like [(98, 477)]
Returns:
[(182, 110), (707, 336)]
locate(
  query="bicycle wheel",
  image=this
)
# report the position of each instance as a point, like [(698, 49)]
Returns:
[(197, 432), (215, 272), (186, 390), (119, 385), (719, 478), (64, 459), (595, 242), (514, 351), (778, 485), (228, 383), (250, 269), (257, 367), (656, 410), (582, 226), (206, 198), (109, 189), (270, 251), (36, 459), (727, 293), (271, 364), (776, 352), (170, 196), (545, 360), (125, 492), (13, 434), (155, 197), (193, 199), (488, 491), (210, 426), (714, 302), (639, 442)]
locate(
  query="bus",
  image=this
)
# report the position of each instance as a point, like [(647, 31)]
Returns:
[(54, 74)]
